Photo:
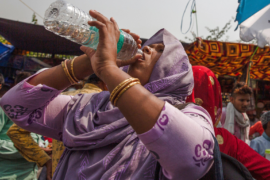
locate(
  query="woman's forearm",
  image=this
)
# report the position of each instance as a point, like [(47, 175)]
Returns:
[(139, 106), (39, 109), (56, 78)]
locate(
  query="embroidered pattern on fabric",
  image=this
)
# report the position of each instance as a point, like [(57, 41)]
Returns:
[(150, 171), (110, 157), (202, 154), (139, 151), (160, 84), (83, 165), (163, 121), (35, 115), (14, 112), (117, 174)]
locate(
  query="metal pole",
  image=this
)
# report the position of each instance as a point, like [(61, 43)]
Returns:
[(196, 18)]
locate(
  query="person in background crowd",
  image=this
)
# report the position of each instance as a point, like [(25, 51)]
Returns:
[(25, 143), (237, 121), (207, 91), (262, 143), (4, 88), (122, 137), (92, 85), (256, 130), (252, 117), (12, 164)]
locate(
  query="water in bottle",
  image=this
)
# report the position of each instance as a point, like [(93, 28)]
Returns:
[(68, 21)]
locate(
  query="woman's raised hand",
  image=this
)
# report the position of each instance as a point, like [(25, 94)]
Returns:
[(105, 55)]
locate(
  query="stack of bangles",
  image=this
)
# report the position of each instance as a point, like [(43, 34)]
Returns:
[(121, 88), (71, 77)]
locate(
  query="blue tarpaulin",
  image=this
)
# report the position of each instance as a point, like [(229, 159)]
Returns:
[(248, 8), (5, 51)]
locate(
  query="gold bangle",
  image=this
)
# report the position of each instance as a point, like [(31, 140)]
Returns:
[(124, 90), (64, 69), (72, 70), (66, 72), (121, 86), (72, 79)]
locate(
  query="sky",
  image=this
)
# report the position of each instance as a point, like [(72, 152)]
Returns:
[(144, 17)]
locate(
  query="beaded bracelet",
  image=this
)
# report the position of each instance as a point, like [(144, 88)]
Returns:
[(124, 90)]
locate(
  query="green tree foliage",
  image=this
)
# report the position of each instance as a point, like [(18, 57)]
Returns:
[(215, 34), (34, 19)]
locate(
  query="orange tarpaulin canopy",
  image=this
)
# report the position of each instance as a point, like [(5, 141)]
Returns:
[(230, 58)]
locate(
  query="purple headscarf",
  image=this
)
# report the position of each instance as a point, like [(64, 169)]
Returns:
[(172, 75), (93, 122)]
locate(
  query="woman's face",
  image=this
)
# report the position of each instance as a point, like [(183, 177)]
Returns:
[(142, 68)]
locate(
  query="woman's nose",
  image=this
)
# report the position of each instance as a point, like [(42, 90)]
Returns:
[(147, 49)]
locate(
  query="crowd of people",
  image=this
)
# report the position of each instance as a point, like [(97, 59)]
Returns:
[(152, 117)]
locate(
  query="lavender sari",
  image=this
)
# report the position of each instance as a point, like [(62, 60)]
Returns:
[(93, 122), (100, 143)]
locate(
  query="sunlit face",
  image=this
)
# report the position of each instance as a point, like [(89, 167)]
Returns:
[(241, 102), (142, 68)]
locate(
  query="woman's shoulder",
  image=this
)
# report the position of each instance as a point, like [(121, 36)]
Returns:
[(196, 109), (198, 114)]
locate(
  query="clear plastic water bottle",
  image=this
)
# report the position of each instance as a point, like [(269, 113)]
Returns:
[(68, 21)]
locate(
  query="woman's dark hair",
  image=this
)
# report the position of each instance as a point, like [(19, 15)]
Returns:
[(21, 76), (94, 79), (2, 79), (241, 88)]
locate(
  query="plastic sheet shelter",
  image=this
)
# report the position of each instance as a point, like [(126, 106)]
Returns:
[(36, 38)]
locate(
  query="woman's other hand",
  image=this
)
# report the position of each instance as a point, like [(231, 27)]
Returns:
[(105, 55), (137, 39)]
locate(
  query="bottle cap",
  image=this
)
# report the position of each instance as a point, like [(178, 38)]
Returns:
[(139, 51)]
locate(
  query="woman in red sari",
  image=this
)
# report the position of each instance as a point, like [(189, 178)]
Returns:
[(207, 93)]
